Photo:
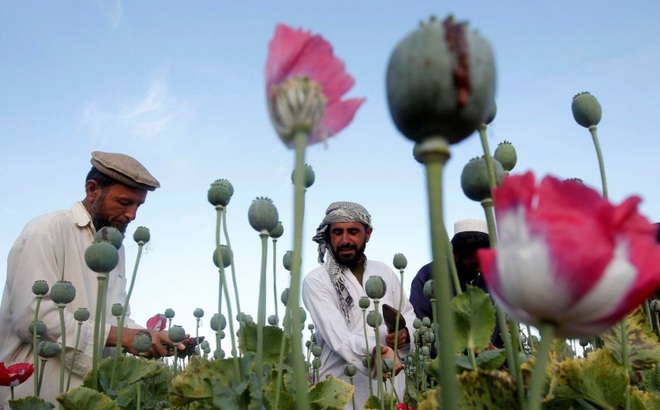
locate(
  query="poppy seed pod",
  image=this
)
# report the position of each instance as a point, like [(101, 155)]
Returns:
[(101, 257), (429, 289), (198, 313), (310, 326), (169, 313), (41, 327), (220, 192), (81, 314), (492, 112), (388, 365), (350, 370), (426, 321), (63, 292), (374, 319), (475, 181), (586, 109), (141, 235), (417, 323), (287, 260), (364, 302), (400, 262), (109, 234), (317, 350), (226, 254), (262, 214), (40, 287), (284, 297), (117, 309), (276, 232), (309, 177), (142, 342), (48, 349), (176, 334), (441, 81), (273, 320), (505, 153), (375, 287)]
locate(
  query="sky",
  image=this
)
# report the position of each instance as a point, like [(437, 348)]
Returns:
[(181, 88)]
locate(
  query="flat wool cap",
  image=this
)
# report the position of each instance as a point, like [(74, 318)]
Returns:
[(124, 169), (470, 225)]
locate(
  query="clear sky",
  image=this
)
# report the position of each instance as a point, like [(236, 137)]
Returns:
[(180, 86)]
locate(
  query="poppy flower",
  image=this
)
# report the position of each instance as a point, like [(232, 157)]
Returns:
[(157, 322), (568, 256), (15, 374), (304, 86)]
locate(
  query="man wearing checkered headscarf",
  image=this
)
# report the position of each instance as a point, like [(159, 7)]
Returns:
[(331, 293)]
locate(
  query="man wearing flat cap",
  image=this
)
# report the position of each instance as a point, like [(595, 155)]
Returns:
[(52, 247), (331, 294)]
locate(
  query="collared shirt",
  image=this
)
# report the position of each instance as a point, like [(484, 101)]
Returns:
[(343, 341), (52, 247)]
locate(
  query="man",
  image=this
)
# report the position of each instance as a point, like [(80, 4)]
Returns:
[(331, 293), (51, 248), (469, 236)]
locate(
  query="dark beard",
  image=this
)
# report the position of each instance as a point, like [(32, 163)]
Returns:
[(98, 216), (352, 261)]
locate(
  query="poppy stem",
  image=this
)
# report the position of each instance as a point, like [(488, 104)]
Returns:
[(601, 161), (547, 331), (261, 316), (35, 339), (233, 269)]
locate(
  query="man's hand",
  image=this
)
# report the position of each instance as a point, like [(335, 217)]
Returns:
[(386, 352), (161, 345), (401, 341)]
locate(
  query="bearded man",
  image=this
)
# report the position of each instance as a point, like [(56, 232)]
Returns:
[(331, 293), (52, 247)]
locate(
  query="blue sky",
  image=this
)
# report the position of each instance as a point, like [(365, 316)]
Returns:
[(181, 88)]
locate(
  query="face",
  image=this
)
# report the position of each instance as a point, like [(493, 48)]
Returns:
[(115, 205), (348, 241), (468, 266)]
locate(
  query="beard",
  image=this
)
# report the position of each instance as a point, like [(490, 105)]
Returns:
[(349, 261), (99, 218)]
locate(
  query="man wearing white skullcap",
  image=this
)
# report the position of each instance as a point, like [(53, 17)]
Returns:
[(51, 247), (331, 293)]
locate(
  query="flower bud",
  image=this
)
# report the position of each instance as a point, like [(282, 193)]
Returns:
[(109, 234), (198, 313), (350, 370), (400, 262), (176, 334), (287, 260), (142, 342), (81, 314), (141, 235), (262, 214), (375, 287), (310, 326), (475, 181), (41, 327), (586, 109), (309, 177), (506, 155), (308, 344), (273, 320), (364, 302), (101, 257), (227, 256), (277, 231), (48, 349), (40, 287), (169, 313), (374, 319), (117, 309), (429, 289), (220, 192), (63, 292), (441, 81)]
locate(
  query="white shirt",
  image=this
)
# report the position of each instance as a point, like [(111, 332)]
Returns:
[(343, 342)]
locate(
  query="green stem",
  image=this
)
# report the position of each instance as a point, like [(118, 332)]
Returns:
[(487, 156), (452, 266), (41, 372), (537, 383), (261, 316), (35, 338), (625, 356), (60, 308), (353, 395), (102, 278), (218, 225), (601, 161), (233, 269), (75, 353), (275, 277), (366, 343), (280, 364), (379, 363), (103, 336), (300, 378), (434, 153), (530, 341), (396, 322), (139, 395)]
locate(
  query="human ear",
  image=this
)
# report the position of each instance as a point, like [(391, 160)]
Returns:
[(368, 234), (92, 190)]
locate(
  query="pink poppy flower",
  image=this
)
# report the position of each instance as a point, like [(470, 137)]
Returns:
[(15, 374), (157, 322), (566, 255), (308, 60)]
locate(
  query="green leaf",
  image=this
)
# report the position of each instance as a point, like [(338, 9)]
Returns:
[(85, 398), (598, 379), (30, 403), (487, 390), (643, 343), (491, 359), (331, 393), (273, 335), (475, 319)]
